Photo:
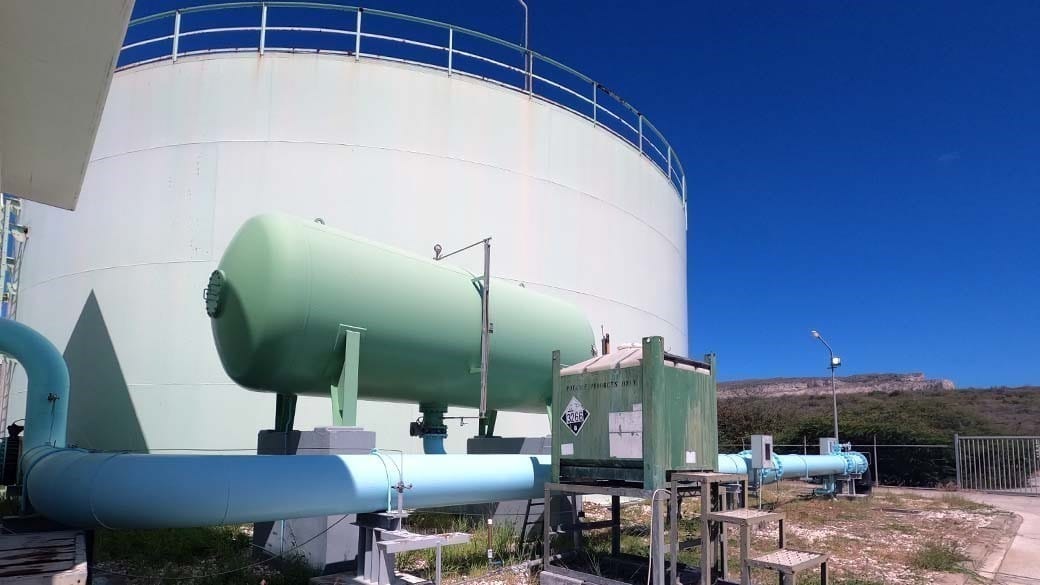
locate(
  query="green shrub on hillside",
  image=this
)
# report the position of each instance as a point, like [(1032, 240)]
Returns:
[(897, 418)]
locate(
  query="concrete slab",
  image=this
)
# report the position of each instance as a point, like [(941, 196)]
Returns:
[(1021, 563)]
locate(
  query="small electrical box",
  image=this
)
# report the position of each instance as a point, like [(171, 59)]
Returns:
[(762, 451), (828, 445)]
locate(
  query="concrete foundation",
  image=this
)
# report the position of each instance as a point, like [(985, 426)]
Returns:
[(336, 549)]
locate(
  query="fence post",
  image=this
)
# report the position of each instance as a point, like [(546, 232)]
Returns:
[(176, 34), (357, 37), (877, 468), (957, 457), (451, 48), (263, 27), (805, 446)]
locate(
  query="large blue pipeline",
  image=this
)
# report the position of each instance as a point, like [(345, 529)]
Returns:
[(124, 490), (838, 463)]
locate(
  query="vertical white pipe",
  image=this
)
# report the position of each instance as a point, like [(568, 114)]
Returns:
[(176, 34), (595, 103), (357, 37), (451, 48), (686, 215), (530, 74), (640, 133), (263, 27)]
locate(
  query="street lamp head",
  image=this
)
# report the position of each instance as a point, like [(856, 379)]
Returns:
[(815, 333)]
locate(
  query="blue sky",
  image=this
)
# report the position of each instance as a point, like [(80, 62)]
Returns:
[(869, 169)]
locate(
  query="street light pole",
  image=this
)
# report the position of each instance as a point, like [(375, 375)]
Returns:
[(834, 363)]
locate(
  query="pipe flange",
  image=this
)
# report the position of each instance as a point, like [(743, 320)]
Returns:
[(855, 462), (778, 468)]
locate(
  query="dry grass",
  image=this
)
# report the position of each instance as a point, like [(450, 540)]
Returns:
[(892, 538), (939, 555)]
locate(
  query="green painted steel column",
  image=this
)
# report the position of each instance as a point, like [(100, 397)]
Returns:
[(553, 426), (655, 414), (345, 393), (284, 412)]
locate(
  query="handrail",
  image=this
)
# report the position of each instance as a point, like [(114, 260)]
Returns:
[(579, 94)]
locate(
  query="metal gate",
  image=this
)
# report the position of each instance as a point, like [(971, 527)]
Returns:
[(1006, 465)]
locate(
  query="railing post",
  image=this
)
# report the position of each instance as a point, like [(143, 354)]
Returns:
[(957, 457), (640, 133), (451, 48), (530, 73), (595, 103), (263, 27), (176, 34), (686, 214), (357, 37)]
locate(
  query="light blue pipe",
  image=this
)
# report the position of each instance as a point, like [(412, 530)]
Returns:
[(797, 466), (152, 491), (124, 490), (47, 398)]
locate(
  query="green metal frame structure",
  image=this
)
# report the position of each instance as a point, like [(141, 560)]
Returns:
[(637, 423)]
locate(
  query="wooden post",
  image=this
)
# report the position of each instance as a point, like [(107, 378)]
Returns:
[(673, 533), (615, 525), (707, 545), (546, 525), (745, 552), (657, 540)]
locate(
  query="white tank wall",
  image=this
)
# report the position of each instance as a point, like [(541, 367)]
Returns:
[(398, 153)]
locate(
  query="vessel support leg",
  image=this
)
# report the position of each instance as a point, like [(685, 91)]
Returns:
[(345, 394)]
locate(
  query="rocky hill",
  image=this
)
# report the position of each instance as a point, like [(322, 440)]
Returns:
[(857, 384)]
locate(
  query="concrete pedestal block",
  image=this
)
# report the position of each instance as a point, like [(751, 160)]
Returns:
[(524, 516), (336, 549)]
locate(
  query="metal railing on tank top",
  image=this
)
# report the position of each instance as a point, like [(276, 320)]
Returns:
[(307, 27)]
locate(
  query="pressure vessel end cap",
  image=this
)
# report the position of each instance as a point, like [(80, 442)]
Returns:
[(214, 293)]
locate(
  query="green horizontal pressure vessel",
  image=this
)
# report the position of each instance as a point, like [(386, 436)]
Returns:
[(287, 290)]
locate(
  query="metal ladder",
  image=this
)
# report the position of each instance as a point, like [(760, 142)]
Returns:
[(13, 236)]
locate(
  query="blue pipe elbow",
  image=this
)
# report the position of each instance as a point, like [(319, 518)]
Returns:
[(47, 398)]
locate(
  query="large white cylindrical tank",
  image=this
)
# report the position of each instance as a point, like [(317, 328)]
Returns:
[(406, 155)]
